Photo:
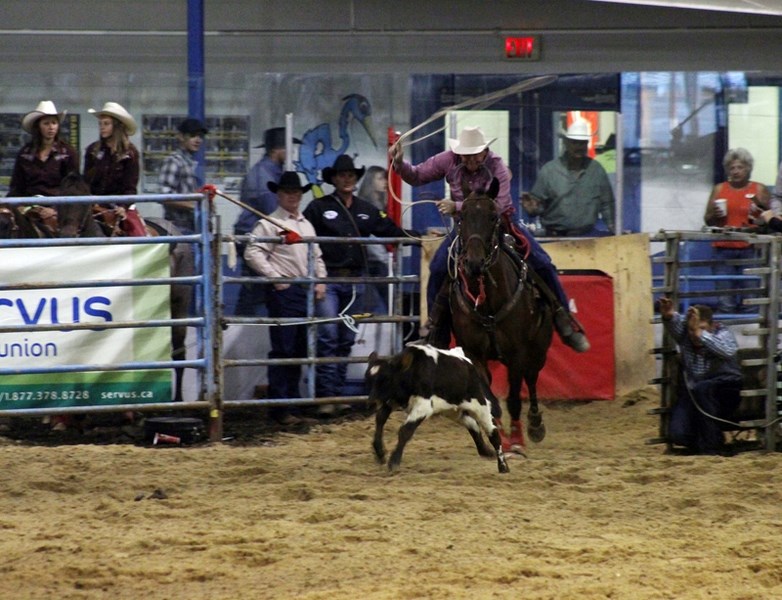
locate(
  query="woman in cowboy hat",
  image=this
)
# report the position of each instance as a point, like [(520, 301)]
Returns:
[(111, 165), (42, 164), (470, 166)]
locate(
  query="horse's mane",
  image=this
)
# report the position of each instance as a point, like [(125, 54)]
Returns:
[(73, 184)]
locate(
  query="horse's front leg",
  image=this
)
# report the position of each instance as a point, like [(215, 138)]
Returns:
[(536, 428), (516, 441), (383, 412)]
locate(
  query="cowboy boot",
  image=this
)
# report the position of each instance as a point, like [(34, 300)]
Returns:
[(516, 441), (504, 440), (570, 331)]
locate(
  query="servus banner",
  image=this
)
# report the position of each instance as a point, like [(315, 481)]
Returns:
[(25, 350)]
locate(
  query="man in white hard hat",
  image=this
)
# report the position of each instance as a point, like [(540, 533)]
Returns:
[(571, 192)]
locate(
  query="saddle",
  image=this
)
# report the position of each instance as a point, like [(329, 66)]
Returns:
[(43, 218), (126, 222)]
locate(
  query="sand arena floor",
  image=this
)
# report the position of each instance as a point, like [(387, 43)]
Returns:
[(592, 513)]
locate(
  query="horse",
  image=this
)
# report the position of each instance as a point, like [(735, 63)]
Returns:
[(497, 312), (85, 220)]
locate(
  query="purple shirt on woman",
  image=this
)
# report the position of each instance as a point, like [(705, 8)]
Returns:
[(449, 165)]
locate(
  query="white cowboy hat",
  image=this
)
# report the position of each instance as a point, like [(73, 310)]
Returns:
[(45, 108), (118, 112), (578, 131), (471, 140)]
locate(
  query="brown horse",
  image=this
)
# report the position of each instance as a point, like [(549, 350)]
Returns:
[(497, 312), (78, 220)]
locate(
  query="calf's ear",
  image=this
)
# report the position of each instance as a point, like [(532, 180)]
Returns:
[(373, 357), (407, 361)]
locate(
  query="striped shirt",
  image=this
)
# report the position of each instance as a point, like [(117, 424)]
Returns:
[(178, 174), (717, 356)]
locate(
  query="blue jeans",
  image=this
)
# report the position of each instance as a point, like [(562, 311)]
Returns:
[(287, 341), (334, 338), (538, 259), (719, 396)]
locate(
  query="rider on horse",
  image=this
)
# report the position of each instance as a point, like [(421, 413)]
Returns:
[(470, 166)]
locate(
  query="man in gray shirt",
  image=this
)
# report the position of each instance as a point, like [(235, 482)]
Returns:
[(572, 191)]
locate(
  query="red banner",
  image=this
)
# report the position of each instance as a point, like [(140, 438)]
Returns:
[(567, 374)]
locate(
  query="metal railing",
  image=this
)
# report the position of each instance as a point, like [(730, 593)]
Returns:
[(688, 279)]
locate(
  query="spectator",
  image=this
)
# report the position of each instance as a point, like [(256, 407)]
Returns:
[(342, 214), (178, 174), (712, 378), (735, 203), (286, 300), (255, 186), (470, 166), (571, 192), (111, 165), (374, 189), (42, 163), (255, 193)]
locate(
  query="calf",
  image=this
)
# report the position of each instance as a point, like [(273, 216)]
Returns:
[(425, 381)]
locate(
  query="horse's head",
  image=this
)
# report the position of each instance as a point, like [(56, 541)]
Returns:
[(479, 230), (73, 218)]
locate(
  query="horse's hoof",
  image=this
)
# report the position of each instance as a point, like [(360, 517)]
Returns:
[(503, 467), (536, 434)]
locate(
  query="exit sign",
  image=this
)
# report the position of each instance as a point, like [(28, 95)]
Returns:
[(523, 48)]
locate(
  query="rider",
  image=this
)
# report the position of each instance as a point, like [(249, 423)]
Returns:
[(470, 166)]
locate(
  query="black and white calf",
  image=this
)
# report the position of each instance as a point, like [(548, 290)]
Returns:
[(425, 381)]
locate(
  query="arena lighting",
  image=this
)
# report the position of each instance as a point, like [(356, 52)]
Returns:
[(524, 48), (761, 7)]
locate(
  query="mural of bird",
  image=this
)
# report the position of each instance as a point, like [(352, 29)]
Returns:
[(317, 152)]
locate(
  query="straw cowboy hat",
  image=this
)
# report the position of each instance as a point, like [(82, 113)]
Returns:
[(343, 163), (289, 181), (578, 131), (45, 108), (117, 111), (471, 140)]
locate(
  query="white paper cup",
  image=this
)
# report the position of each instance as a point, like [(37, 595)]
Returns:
[(721, 207)]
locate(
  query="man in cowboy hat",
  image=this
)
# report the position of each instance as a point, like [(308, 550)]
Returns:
[(255, 193), (571, 192), (178, 174), (286, 300), (342, 214), (470, 166)]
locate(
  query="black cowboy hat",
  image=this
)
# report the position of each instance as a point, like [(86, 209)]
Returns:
[(289, 181), (343, 163), (275, 138)]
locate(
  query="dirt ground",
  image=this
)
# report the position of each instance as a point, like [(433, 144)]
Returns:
[(593, 512)]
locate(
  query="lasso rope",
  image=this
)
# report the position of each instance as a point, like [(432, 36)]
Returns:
[(478, 103)]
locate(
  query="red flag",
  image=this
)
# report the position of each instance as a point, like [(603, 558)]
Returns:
[(394, 208)]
